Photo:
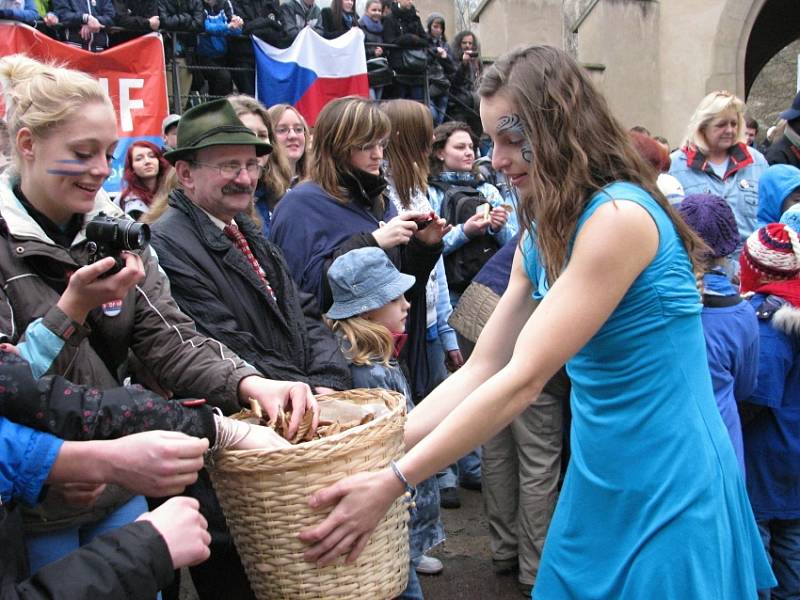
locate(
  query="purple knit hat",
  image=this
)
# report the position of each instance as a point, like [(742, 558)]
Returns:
[(712, 219)]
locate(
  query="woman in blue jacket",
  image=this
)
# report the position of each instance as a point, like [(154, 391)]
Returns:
[(714, 159), (19, 10)]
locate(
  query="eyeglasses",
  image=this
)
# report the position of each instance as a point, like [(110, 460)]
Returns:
[(382, 144), (232, 170), (284, 130)]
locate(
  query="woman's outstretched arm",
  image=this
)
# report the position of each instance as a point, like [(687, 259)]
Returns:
[(612, 249)]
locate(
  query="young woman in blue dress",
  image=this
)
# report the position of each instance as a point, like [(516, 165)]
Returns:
[(653, 504)]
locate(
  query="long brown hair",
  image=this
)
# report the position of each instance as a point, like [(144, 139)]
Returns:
[(337, 10), (277, 175), (578, 148), (275, 113), (344, 125), (409, 147)]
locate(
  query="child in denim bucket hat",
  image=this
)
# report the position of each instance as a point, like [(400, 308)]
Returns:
[(368, 313)]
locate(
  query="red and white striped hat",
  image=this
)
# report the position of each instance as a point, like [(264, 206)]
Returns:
[(771, 253)]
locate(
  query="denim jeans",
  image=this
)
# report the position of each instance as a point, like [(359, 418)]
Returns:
[(438, 106), (468, 468), (45, 548), (411, 92), (413, 590), (781, 539)]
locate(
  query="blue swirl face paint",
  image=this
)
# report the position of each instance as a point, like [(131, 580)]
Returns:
[(512, 124)]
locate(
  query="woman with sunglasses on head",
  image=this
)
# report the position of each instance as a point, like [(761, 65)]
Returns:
[(343, 206), (715, 159), (653, 503), (292, 134)]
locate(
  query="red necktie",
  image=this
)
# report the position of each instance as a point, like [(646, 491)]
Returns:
[(235, 234)]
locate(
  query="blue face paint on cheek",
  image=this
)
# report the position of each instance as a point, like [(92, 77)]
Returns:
[(79, 167)]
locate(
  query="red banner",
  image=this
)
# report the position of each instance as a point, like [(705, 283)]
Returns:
[(132, 73)]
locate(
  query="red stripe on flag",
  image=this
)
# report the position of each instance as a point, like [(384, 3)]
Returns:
[(325, 89)]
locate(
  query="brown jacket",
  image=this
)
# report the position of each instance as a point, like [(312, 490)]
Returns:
[(149, 325)]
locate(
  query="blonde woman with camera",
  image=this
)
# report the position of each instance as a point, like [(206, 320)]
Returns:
[(87, 321)]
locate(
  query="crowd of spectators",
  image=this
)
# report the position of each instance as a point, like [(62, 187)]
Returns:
[(250, 224), (208, 42)]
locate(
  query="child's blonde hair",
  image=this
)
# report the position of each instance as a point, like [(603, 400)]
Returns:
[(368, 341)]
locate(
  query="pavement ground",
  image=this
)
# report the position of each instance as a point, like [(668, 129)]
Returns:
[(467, 559)]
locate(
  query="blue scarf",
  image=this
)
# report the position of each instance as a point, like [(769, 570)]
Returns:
[(371, 25), (460, 177)]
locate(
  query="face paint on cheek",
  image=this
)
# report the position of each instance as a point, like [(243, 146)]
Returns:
[(79, 167), (512, 124)]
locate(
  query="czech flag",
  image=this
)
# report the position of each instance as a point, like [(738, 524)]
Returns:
[(312, 71)]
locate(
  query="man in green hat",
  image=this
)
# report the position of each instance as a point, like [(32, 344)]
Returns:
[(236, 286)]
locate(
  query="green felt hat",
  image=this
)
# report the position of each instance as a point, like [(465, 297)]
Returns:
[(213, 124)]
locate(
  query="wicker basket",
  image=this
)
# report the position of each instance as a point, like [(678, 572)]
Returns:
[(265, 499)]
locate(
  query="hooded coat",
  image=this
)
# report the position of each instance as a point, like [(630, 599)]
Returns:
[(776, 184)]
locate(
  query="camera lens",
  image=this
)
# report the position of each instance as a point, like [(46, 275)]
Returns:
[(134, 236)]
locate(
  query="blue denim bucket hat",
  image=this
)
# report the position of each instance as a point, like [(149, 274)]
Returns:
[(363, 280)]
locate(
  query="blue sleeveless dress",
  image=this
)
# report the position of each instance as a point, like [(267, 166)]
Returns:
[(653, 504)]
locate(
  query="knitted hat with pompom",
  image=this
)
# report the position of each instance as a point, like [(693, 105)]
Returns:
[(771, 253)]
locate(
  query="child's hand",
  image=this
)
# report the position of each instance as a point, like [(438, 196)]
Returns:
[(9, 348)]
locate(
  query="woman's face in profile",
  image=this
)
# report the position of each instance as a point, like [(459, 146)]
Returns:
[(511, 154)]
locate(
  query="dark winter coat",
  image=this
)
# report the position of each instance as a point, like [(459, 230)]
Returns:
[(70, 14), (312, 229), (186, 16), (148, 323), (296, 15), (330, 28), (79, 412), (783, 152), (403, 28), (134, 15), (213, 283), (51, 404), (373, 34), (262, 18)]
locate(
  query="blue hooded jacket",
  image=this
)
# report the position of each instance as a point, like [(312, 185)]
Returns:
[(777, 182)]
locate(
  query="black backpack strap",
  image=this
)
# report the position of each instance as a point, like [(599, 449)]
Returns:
[(713, 301)]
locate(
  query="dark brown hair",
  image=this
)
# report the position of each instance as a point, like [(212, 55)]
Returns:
[(441, 134), (579, 148)]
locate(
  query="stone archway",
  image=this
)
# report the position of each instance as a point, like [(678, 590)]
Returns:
[(730, 45), (775, 25), (749, 33)]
